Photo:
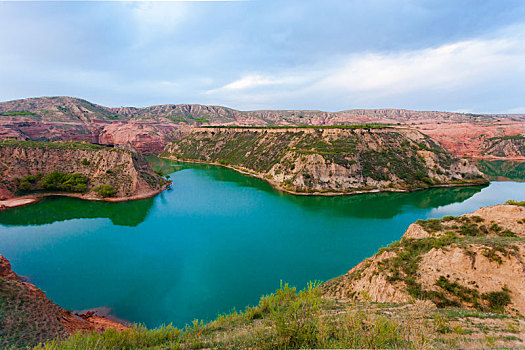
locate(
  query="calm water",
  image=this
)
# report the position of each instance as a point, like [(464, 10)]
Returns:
[(217, 240)]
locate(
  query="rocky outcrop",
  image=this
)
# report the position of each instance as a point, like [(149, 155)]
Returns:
[(125, 169), (476, 260), (28, 317), (329, 160), (506, 147)]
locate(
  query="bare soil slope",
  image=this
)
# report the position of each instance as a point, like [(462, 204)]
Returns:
[(476, 260)]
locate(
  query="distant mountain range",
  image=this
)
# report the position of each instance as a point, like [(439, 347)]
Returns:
[(149, 129)]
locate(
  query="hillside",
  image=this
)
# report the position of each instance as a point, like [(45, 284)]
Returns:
[(508, 147), (28, 317), (476, 260), (330, 160), (150, 129), (29, 167)]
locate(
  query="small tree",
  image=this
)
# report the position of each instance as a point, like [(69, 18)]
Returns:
[(105, 190)]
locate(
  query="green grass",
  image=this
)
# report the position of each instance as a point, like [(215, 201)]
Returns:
[(73, 145), (509, 137), (8, 114), (514, 202), (343, 126), (286, 319), (177, 119)]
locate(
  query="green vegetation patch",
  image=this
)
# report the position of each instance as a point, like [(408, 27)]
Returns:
[(342, 126), (509, 137), (74, 145), (9, 114), (177, 119), (514, 202), (403, 266), (54, 181), (105, 191), (286, 319)]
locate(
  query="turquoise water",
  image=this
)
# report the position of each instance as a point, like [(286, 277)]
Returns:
[(216, 241)]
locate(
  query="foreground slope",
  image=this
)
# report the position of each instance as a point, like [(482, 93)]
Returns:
[(28, 317), (76, 167), (476, 260), (329, 160)]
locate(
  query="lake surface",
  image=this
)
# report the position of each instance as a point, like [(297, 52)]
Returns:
[(216, 241)]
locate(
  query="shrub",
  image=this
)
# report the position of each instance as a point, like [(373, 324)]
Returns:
[(514, 202), (105, 190), (469, 230), (430, 225), (57, 181), (498, 300), (84, 161)]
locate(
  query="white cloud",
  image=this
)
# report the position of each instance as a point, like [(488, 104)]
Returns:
[(445, 66), (360, 78)]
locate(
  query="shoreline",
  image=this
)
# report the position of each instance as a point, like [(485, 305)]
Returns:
[(279, 188), (16, 202)]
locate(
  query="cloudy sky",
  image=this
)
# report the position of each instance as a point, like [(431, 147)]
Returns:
[(452, 55)]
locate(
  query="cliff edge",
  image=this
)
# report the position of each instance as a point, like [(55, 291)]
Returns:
[(28, 317), (475, 260), (75, 168), (329, 160)]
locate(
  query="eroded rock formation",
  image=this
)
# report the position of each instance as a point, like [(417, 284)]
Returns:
[(476, 260), (329, 160)]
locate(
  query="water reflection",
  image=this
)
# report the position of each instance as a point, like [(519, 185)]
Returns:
[(373, 205), (503, 169), (54, 209)]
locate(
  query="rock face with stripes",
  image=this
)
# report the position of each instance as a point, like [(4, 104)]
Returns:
[(125, 169)]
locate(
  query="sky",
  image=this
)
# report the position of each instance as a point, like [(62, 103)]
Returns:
[(447, 55)]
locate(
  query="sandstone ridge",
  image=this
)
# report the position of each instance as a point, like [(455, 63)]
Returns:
[(476, 261)]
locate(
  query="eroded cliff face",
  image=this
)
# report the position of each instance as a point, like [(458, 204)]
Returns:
[(150, 129), (476, 260), (28, 317), (125, 169), (329, 160), (506, 147)]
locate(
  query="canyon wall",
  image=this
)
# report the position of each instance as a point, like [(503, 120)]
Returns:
[(126, 170), (150, 129), (329, 160)]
